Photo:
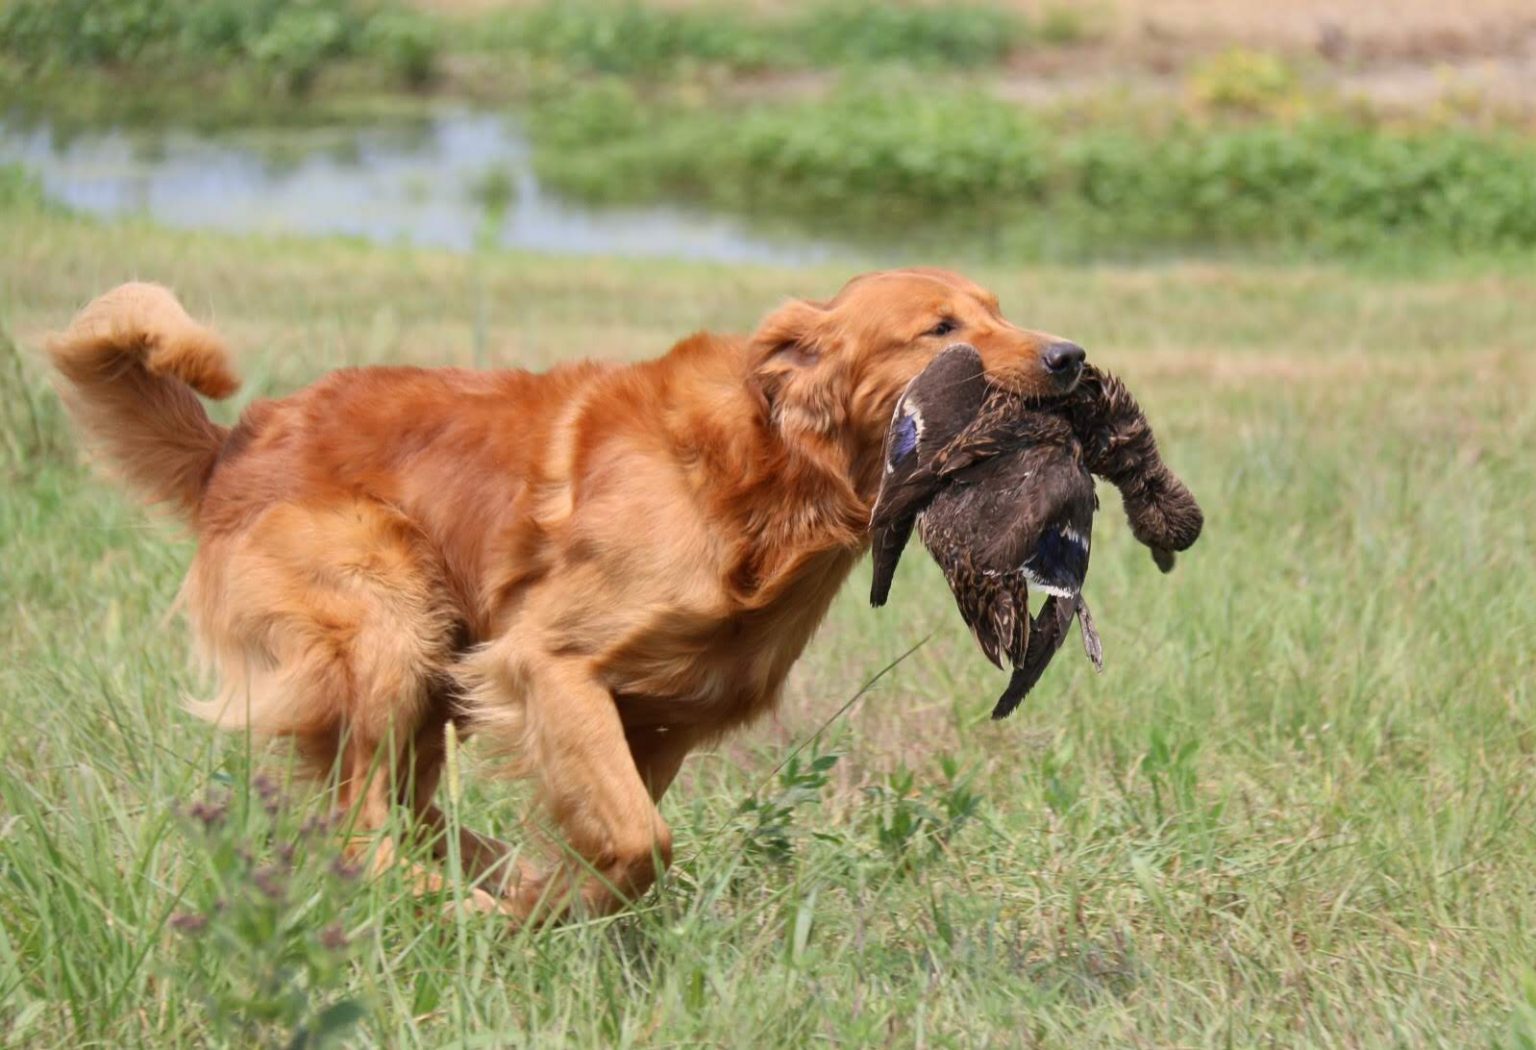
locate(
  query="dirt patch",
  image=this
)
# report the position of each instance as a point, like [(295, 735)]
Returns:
[(1421, 30)]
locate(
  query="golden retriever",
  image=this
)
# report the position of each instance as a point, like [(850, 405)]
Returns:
[(599, 568)]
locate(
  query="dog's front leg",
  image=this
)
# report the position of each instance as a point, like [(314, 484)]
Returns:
[(658, 753), (572, 741)]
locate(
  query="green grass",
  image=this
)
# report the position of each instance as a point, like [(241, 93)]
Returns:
[(879, 123), (282, 43), (237, 48), (933, 161), (643, 39), (1295, 809)]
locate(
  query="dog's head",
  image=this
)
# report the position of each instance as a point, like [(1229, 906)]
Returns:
[(834, 369)]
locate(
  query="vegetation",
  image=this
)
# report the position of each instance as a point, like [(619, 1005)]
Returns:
[(287, 42), (622, 102), (640, 39), (915, 160), (18, 188), (1296, 806)]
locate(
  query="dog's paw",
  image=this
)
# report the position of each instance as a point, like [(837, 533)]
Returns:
[(477, 902)]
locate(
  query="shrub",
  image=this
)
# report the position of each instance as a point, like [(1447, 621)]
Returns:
[(1247, 81), (840, 32), (629, 37), (957, 161), (407, 43), (287, 41), (293, 46)]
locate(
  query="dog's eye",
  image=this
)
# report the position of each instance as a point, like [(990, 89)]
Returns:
[(944, 327)]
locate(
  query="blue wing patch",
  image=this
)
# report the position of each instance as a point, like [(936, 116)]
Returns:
[(904, 434), (1059, 562)]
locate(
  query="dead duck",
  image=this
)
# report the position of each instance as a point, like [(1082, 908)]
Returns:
[(1002, 499), (1118, 445)]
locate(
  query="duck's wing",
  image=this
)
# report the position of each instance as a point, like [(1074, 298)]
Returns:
[(1046, 634), (935, 406), (1003, 424), (996, 609), (994, 606), (886, 550), (1046, 531)]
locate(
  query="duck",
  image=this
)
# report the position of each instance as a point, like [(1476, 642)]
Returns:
[(1119, 446), (1000, 494)]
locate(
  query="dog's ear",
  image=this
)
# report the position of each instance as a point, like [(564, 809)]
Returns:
[(792, 336), (791, 354)]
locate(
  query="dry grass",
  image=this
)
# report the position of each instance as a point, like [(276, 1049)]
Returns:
[(1392, 26)]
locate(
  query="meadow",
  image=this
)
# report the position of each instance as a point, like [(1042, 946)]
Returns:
[(1294, 810)]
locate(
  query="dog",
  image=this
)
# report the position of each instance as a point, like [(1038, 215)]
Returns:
[(597, 569)]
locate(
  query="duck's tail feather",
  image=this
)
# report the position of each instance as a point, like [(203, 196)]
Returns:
[(1046, 634), (1091, 644)]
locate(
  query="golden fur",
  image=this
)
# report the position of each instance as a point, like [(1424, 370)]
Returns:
[(599, 568)]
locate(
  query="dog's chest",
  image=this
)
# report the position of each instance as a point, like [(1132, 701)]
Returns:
[(715, 670)]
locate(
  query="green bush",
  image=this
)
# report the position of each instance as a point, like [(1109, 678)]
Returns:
[(287, 41), (406, 42), (949, 160), (629, 37), (298, 41), (84, 32), (856, 31)]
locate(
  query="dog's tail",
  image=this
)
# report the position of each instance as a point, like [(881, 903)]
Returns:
[(135, 363)]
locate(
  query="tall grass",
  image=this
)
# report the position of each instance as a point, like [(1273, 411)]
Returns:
[(1295, 808)]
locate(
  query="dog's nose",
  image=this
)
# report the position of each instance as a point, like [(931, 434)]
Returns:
[(1063, 357)]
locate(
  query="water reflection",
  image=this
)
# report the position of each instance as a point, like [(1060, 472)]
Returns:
[(454, 180)]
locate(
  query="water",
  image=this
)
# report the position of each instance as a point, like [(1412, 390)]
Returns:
[(396, 182)]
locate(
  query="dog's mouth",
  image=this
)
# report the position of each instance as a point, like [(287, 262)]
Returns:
[(1033, 393), (1054, 375)]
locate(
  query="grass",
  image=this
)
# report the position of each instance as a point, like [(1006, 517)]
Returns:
[(881, 123), (283, 43), (1296, 807), (285, 47), (634, 38), (933, 161)]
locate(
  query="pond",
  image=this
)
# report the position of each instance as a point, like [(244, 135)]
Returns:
[(456, 179)]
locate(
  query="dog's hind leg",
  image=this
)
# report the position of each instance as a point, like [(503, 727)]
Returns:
[(486, 861), (327, 627)]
